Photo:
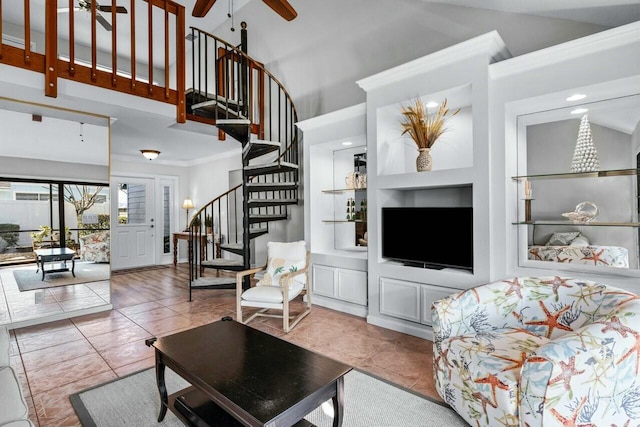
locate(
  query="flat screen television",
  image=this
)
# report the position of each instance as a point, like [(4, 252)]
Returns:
[(433, 237)]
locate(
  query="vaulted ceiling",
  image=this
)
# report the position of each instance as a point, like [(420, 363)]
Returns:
[(331, 44)]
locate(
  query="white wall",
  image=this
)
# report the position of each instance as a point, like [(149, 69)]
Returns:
[(333, 43)]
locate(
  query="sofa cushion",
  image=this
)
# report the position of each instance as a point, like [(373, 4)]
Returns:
[(271, 294), (5, 345), (482, 371), (12, 404)]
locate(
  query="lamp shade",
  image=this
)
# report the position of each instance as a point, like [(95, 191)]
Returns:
[(187, 204), (150, 154)]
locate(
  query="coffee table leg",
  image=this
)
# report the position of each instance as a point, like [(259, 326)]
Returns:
[(162, 388), (73, 267), (338, 403)]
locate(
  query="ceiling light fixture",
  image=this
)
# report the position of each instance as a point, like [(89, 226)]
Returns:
[(347, 143), (432, 104), (150, 154), (576, 97), (580, 111)]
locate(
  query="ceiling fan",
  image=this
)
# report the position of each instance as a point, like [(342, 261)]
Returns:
[(281, 7), (86, 6)]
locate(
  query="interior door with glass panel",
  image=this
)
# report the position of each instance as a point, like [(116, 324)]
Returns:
[(133, 225)]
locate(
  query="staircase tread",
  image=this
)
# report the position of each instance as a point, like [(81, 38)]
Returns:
[(233, 122), (215, 101), (213, 281), (231, 246), (272, 202), (272, 184), (222, 262), (272, 164)]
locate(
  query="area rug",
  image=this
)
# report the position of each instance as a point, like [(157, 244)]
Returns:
[(28, 279), (134, 401)]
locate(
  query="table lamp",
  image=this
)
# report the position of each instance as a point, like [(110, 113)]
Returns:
[(187, 204)]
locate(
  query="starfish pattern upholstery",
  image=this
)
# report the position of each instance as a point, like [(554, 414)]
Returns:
[(539, 351)]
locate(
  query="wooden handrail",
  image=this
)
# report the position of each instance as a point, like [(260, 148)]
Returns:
[(92, 73)]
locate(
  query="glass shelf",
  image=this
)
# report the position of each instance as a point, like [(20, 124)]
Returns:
[(345, 220), (586, 224), (598, 174), (342, 190)]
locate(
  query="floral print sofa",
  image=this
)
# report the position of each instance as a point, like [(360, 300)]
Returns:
[(95, 247), (539, 351)]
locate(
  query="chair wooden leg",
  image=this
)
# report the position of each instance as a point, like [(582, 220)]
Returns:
[(285, 317)]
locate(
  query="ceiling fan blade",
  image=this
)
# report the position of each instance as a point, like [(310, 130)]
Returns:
[(282, 8), (202, 7), (103, 22), (107, 9)]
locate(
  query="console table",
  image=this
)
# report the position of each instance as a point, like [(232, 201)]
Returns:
[(61, 255)]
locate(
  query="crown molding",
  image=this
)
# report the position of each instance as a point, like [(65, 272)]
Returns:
[(587, 45), (490, 43)]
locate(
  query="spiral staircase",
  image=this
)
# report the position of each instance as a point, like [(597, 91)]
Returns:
[(235, 93)]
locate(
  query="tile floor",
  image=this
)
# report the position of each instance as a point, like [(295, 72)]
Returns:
[(18, 307), (60, 358)]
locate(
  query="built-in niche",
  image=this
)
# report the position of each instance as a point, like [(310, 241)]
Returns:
[(551, 188), (350, 198)]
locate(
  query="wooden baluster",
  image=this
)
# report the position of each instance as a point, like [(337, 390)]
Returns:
[(150, 38), (72, 54), (1, 29), (94, 49), (180, 65), (114, 44), (27, 32), (51, 49), (166, 49), (132, 13)]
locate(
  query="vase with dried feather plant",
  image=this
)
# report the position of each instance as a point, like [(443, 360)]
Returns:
[(425, 128)]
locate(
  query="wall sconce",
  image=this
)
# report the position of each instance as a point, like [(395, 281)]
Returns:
[(187, 204), (150, 154)]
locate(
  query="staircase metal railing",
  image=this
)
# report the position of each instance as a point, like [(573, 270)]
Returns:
[(228, 85)]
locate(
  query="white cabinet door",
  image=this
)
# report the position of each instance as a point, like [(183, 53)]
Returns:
[(352, 286), (429, 295), (400, 299), (323, 280)]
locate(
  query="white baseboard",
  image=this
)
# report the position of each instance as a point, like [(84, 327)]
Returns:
[(417, 330)]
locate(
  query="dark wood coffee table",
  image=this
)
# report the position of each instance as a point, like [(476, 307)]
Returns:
[(61, 255), (245, 377)]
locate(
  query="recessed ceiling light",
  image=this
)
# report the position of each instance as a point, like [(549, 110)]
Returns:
[(576, 97), (432, 104), (347, 143), (579, 110)]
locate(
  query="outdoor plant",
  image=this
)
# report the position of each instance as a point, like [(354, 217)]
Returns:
[(424, 128), (39, 236)]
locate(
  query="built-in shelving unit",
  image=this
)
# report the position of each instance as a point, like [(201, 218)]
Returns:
[(337, 144), (400, 295)]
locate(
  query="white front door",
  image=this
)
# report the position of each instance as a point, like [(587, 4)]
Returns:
[(133, 223)]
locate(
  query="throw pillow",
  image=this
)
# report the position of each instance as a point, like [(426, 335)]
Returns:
[(579, 241), (284, 257), (277, 267), (562, 239)]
